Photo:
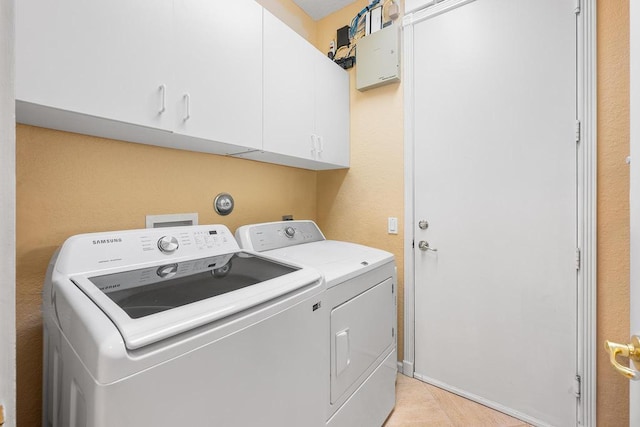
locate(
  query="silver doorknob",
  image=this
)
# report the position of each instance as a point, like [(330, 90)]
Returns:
[(423, 224), (423, 245)]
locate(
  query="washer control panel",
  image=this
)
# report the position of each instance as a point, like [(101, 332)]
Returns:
[(276, 235), (98, 251)]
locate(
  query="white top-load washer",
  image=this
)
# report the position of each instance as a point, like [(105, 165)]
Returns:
[(178, 327), (361, 299)]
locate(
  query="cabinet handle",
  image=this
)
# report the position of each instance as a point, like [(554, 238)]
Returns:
[(187, 101), (313, 146), (320, 143), (163, 96)]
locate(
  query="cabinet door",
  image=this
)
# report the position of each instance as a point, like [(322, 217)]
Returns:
[(288, 91), (107, 59), (331, 112), (218, 67)]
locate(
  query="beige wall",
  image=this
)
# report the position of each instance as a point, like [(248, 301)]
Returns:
[(613, 204), (69, 184), (355, 205)]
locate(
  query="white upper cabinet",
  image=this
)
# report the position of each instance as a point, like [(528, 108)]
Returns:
[(218, 61), (103, 59), (288, 90), (225, 78), (332, 112), (306, 102)]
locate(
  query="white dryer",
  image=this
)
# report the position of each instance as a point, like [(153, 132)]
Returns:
[(361, 298), (178, 327)]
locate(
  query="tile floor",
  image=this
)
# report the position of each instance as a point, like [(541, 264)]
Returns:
[(422, 405)]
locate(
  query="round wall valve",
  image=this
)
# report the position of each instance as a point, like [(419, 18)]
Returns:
[(223, 204)]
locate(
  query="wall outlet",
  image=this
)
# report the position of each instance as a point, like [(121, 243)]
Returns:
[(392, 225)]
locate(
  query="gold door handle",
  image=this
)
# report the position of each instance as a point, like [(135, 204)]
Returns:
[(630, 351)]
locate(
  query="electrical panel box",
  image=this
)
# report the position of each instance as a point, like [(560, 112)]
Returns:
[(378, 59)]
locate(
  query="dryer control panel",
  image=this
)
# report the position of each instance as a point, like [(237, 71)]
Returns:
[(276, 235)]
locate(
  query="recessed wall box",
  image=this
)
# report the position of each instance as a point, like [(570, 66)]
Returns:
[(342, 35), (378, 59), (171, 220)]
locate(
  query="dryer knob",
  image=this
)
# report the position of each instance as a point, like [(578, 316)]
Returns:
[(289, 232), (168, 244)]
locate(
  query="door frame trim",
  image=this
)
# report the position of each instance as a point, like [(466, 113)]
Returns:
[(587, 213), (8, 213), (586, 347)]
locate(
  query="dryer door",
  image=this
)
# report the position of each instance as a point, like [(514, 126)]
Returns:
[(361, 337)]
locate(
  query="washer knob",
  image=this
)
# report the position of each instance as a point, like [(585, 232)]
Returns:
[(167, 271), (168, 244), (289, 232)]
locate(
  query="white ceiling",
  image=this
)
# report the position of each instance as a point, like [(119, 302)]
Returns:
[(318, 9)]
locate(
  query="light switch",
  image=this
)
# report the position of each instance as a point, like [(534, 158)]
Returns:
[(392, 227)]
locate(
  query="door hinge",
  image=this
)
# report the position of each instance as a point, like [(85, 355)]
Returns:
[(577, 9), (578, 131), (577, 386), (578, 258)]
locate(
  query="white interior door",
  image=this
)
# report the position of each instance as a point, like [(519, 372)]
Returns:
[(495, 178)]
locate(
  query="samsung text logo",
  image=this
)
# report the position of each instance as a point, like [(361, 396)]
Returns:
[(106, 241)]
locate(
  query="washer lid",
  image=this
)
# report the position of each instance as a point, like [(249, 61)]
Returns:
[(156, 302)]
